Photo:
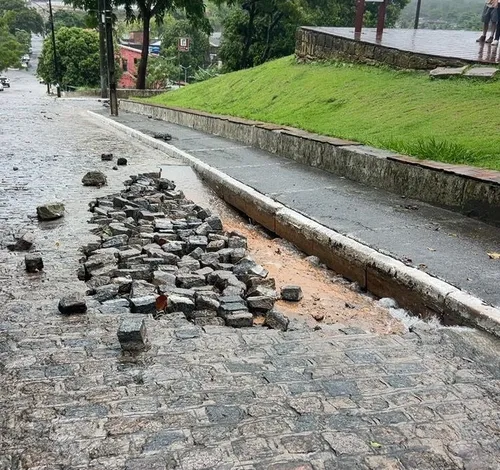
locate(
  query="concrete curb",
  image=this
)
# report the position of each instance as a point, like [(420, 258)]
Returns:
[(378, 273)]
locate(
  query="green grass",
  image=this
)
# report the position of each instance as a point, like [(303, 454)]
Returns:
[(455, 121)]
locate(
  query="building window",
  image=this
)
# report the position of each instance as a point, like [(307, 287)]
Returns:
[(124, 65)]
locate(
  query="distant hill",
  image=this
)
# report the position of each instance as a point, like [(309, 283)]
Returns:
[(444, 14)]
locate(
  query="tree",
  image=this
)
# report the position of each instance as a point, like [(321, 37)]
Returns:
[(19, 16), (161, 71), (77, 57), (24, 39), (10, 49), (70, 19), (259, 30), (157, 9)]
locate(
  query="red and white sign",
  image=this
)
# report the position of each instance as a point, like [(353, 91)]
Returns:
[(184, 44)]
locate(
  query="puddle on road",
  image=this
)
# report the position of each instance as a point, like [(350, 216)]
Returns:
[(326, 295)]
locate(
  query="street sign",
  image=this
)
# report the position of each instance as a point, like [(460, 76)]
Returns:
[(184, 44)]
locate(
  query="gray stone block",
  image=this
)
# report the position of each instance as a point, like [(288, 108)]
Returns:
[(237, 242), (234, 290), (177, 303), (203, 229), (215, 222), (140, 288), (23, 243), (210, 260), (188, 280), (291, 293), (50, 211), (239, 319), (276, 320), (33, 262), (216, 245), (188, 264), (146, 304), (106, 292), (94, 178), (197, 241), (116, 241), (73, 303), (163, 278), (260, 304), (230, 308), (207, 301), (132, 334)]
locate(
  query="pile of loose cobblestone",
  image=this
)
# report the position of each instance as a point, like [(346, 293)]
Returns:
[(161, 253)]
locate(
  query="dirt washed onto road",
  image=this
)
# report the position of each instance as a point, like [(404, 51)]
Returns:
[(328, 298)]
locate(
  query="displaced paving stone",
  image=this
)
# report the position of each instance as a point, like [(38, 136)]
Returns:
[(188, 264), (197, 241), (239, 319), (177, 303), (237, 242), (481, 72), (23, 243), (187, 281), (260, 304), (33, 262), (207, 301), (94, 178), (163, 278), (141, 288), (73, 303), (215, 222), (216, 245), (261, 290), (145, 304), (291, 293), (132, 334), (50, 211), (446, 72), (118, 240), (106, 292), (276, 320)]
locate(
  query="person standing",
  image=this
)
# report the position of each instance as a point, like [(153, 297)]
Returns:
[(490, 15), (497, 32)]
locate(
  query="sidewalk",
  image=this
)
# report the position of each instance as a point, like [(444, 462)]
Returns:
[(442, 243)]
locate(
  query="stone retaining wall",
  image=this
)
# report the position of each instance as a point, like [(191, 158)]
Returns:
[(316, 45), (122, 93), (471, 191)]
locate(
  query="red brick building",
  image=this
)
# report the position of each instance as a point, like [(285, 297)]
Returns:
[(129, 63)]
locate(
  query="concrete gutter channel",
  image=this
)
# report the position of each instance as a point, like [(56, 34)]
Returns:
[(379, 274)]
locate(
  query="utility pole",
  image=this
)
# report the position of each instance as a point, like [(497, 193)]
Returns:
[(102, 50), (417, 14), (106, 17), (56, 65)]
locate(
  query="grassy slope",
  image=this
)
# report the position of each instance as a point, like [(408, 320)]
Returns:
[(448, 120)]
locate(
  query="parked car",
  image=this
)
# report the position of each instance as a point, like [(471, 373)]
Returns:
[(5, 82), (1, 87)]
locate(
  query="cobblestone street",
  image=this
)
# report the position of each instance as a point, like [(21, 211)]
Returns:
[(335, 397)]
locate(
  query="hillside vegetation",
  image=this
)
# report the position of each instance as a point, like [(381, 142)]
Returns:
[(453, 121)]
